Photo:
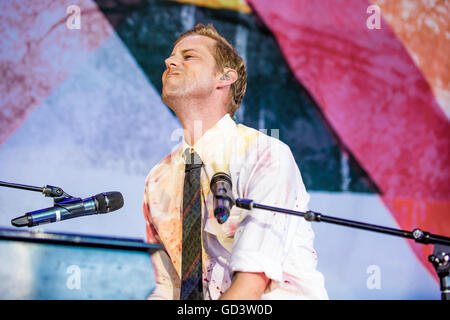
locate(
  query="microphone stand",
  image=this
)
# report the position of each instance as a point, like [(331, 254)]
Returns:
[(441, 253), (60, 198)]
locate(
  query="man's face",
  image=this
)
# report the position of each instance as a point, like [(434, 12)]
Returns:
[(190, 70)]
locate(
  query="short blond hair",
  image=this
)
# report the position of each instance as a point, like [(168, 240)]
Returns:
[(226, 56)]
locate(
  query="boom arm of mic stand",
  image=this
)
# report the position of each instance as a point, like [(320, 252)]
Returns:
[(440, 258), (417, 234), (49, 191)]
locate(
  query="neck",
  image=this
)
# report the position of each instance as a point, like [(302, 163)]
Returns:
[(196, 125), (197, 117)]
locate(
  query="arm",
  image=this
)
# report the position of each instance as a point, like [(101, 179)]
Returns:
[(262, 238), (164, 273), (162, 265), (246, 286)]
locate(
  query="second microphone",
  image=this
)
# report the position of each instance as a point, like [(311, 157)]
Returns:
[(221, 187), (71, 208)]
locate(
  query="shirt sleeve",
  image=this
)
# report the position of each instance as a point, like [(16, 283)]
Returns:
[(162, 265), (263, 238)]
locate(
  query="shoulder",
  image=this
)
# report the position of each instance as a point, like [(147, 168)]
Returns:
[(163, 166), (262, 146)]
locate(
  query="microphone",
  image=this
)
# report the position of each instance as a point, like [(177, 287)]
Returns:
[(221, 187), (71, 208)]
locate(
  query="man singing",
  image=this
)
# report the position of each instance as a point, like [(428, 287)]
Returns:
[(254, 254)]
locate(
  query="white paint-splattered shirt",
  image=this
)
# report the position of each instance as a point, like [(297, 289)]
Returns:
[(263, 169)]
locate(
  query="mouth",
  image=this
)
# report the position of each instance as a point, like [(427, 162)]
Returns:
[(172, 73)]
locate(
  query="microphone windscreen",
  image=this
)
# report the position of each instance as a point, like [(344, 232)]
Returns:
[(220, 176), (109, 201)]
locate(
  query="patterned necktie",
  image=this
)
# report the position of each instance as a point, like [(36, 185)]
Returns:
[(191, 263)]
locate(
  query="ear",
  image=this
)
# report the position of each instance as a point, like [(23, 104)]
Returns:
[(227, 78)]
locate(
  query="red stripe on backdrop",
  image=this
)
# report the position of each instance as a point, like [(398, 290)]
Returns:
[(376, 99), (39, 51)]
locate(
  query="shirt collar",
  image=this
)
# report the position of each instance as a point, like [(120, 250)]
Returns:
[(212, 137)]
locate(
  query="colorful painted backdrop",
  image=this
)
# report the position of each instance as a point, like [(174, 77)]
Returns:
[(360, 91)]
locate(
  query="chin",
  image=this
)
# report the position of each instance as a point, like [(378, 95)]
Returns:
[(170, 99)]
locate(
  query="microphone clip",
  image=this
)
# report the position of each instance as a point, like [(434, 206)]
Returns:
[(57, 194)]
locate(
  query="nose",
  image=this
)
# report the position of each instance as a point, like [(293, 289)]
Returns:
[(171, 62)]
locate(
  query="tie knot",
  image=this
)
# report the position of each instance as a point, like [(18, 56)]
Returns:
[(192, 159)]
